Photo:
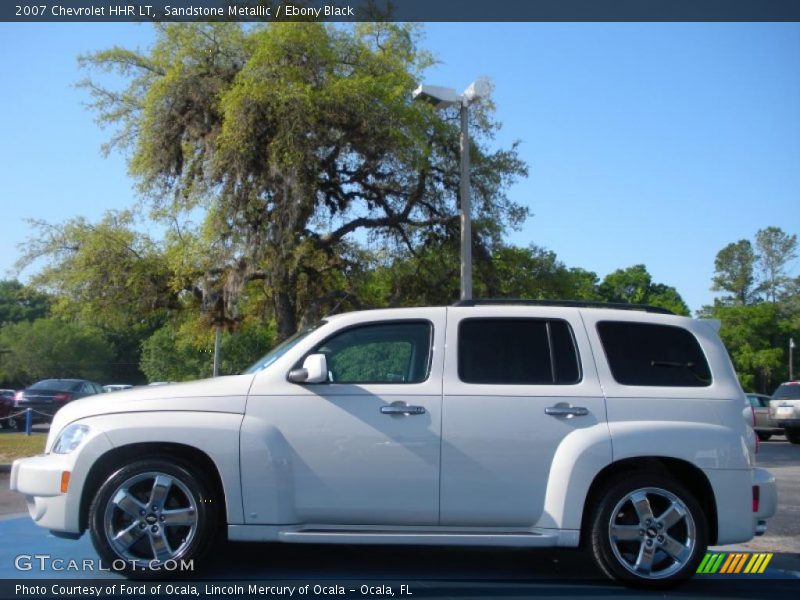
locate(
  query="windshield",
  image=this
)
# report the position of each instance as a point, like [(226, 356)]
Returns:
[(281, 349), (787, 391)]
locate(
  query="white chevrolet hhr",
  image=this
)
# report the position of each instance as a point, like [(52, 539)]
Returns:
[(537, 425)]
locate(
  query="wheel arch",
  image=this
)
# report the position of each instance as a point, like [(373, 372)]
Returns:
[(187, 456), (689, 475)]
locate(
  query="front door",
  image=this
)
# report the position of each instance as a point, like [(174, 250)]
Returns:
[(362, 448)]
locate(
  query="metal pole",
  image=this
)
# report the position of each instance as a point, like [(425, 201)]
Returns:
[(466, 220), (791, 359), (217, 339), (28, 421)]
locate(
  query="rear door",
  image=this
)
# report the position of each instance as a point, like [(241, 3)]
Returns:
[(504, 372)]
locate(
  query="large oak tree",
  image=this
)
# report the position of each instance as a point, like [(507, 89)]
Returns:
[(271, 152)]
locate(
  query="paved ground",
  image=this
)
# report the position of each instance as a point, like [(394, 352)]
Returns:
[(783, 534), (10, 502), (441, 572)]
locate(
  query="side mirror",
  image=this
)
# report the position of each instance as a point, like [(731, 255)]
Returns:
[(315, 370)]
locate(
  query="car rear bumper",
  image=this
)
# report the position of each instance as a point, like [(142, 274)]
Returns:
[(771, 429), (737, 521)]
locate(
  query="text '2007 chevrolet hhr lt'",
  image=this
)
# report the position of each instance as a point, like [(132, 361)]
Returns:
[(523, 425)]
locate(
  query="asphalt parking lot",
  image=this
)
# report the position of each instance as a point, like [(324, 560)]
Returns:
[(461, 572)]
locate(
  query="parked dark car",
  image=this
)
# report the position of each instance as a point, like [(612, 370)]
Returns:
[(764, 425), (47, 396), (6, 409)]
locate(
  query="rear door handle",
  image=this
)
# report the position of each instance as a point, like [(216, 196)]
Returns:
[(402, 409), (565, 410)]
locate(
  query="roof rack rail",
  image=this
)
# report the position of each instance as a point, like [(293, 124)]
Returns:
[(566, 303)]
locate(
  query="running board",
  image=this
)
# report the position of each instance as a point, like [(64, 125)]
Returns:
[(529, 539)]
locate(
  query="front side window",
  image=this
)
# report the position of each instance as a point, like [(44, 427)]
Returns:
[(381, 353), (653, 355), (517, 351)]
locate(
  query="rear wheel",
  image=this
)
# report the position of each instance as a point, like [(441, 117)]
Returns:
[(763, 436), (151, 513), (648, 531), (793, 435)]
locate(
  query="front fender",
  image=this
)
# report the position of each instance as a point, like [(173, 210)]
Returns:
[(215, 434)]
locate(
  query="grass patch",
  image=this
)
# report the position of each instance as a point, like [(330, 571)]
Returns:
[(18, 445)]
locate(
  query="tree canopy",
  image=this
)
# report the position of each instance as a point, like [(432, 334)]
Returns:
[(292, 138), (761, 310)]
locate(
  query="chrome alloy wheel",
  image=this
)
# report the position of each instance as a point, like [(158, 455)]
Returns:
[(652, 533), (150, 518)]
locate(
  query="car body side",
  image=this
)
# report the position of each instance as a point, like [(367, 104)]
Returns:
[(245, 425)]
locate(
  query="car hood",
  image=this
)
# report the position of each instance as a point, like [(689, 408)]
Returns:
[(221, 394)]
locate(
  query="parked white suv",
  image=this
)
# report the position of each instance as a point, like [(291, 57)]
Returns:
[(512, 425)]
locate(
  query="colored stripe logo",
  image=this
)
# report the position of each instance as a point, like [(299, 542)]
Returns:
[(734, 563)]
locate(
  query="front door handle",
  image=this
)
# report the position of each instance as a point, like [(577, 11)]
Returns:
[(402, 409), (565, 410)]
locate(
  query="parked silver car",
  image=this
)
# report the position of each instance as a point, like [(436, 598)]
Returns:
[(765, 426), (784, 408)]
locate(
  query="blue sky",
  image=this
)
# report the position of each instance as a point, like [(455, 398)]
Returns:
[(647, 143)]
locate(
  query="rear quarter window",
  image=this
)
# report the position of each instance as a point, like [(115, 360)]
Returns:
[(648, 354)]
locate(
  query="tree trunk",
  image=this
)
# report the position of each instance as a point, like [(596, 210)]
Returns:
[(284, 315)]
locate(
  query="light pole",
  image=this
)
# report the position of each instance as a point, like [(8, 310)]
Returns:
[(791, 361), (443, 97)]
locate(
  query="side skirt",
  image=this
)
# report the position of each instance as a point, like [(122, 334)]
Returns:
[(533, 538)]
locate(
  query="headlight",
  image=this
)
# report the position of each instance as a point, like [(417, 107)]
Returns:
[(70, 438)]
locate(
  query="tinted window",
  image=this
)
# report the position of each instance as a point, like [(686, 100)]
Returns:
[(758, 401), (787, 391), (653, 355), (516, 351), (58, 385), (383, 353)]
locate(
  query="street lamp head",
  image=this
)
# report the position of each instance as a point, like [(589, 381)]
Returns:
[(439, 97), (480, 88)]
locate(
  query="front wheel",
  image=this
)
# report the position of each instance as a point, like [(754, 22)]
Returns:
[(648, 531), (149, 516), (764, 437)]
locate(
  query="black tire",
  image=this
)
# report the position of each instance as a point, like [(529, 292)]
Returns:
[(17, 424), (793, 435), (684, 533), (150, 535), (764, 437)]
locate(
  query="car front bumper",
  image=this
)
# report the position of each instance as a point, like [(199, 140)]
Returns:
[(39, 479)]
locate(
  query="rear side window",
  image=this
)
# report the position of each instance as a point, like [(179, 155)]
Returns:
[(653, 355), (517, 351)]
